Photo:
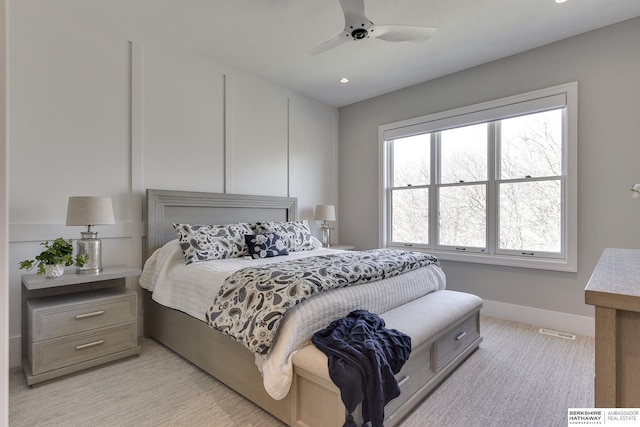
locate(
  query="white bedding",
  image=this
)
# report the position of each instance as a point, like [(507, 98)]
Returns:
[(192, 289)]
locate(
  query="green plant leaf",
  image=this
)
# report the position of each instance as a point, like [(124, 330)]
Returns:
[(57, 251)]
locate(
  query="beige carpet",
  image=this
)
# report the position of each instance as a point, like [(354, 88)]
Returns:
[(518, 377)]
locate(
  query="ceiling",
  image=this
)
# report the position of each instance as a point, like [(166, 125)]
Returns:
[(271, 38)]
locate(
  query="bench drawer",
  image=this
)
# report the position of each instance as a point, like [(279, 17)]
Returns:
[(462, 335), (415, 373), (72, 349)]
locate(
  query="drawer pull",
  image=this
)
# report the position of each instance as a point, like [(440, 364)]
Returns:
[(460, 336), (93, 314), (88, 345), (404, 380)]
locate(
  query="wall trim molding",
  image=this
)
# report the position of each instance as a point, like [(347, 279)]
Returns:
[(563, 322), (39, 232)]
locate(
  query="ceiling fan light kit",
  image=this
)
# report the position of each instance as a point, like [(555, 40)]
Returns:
[(358, 27)]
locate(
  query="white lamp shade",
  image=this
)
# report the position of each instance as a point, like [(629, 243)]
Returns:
[(90, 211), (325, 213)]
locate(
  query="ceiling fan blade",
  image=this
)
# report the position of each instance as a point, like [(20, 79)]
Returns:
[(358, 27), (330, 44), (353, 13), (401, 33)]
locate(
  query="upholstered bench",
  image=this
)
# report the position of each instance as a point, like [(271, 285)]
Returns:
[(444, 327)]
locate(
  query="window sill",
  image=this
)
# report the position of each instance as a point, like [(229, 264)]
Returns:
[(500, 260)]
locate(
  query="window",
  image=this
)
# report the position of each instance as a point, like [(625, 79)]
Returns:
[(491, 183)]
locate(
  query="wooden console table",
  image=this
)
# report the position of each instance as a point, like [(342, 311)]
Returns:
[(614, 289)]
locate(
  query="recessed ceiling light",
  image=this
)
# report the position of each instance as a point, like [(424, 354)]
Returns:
[(560, 1), (344, 80)]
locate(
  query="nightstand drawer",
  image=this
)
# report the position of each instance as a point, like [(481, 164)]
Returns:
[(60, 352), (54, 317), (447, 346)]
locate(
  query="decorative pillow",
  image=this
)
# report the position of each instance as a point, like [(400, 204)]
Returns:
[(266, 245), (296, 234), (206, 242), (317, 244)]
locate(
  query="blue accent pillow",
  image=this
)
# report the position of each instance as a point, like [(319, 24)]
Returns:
[(266, 245)]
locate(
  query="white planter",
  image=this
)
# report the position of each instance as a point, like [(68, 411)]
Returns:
[(54, 270)]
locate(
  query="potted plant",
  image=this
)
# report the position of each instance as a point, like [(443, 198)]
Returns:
[(57, 255)]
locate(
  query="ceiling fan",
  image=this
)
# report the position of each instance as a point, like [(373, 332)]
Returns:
[(358, 27)]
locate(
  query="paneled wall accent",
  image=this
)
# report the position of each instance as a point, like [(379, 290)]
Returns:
[(182, 121), (311, 124), (257, 153), (69, 115), (94, 113)]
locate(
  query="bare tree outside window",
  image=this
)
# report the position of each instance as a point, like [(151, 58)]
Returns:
[(411, 216), (410, 201), (463, 154), (411, 161), (528, 158), (531, 145), (530, 215), (463, 207), (530, 211)]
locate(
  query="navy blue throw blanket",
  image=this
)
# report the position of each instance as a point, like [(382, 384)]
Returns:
[(363, 358)]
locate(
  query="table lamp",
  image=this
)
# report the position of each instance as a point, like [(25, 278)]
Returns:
[(325, 213), (90, 211)]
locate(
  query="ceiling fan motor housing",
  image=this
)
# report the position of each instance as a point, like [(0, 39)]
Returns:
[(359, 33)]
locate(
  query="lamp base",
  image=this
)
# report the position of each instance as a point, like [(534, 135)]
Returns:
[(81, 270), (90, 246), (325, 235)]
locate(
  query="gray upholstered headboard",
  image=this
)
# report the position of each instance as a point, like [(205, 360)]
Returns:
[(165, 207)]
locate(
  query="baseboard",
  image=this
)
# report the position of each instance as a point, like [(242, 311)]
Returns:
[(563, 322), (15, 352)]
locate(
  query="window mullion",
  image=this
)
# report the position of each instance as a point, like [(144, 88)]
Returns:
[(492, 187), (389, 184), (433, 190)]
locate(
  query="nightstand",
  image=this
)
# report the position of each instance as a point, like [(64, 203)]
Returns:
[(343, 247), (77, 321)]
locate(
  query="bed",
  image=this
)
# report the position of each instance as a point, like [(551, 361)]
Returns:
[(291, 381)]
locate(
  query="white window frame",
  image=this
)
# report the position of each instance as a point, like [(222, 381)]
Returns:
[(565, 95)]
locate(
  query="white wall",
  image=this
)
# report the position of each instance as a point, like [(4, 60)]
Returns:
[(4, 221), (97, 113), (606, 65), (182, 120)]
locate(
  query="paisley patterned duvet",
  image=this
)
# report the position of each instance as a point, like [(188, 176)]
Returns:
[(253, 301)]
